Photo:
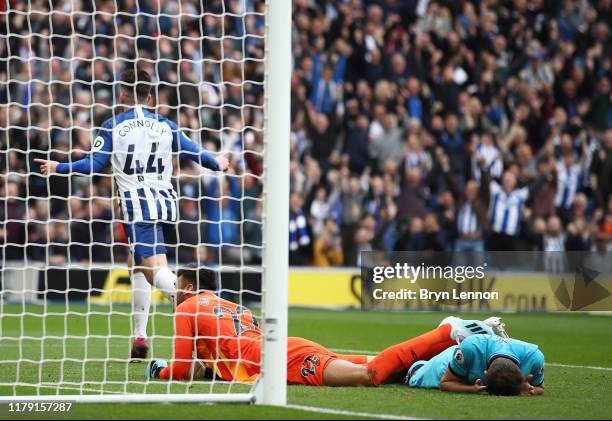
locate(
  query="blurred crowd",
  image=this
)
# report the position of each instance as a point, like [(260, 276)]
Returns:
[(450, 125), (416, 125)]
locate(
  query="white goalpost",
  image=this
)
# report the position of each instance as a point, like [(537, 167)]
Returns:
[(273, 387), (221, 69)]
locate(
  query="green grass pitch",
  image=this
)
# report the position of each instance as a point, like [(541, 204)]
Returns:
[(578, 348)]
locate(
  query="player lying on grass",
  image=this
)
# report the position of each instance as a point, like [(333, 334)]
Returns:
[(227, 340), (483, 364), (140, 146)]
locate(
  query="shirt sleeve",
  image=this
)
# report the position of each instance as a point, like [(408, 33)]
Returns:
[(523, 193), (180, 367), (537, 368), (101, 151), (189, 150), (463, 359), (494, 187)]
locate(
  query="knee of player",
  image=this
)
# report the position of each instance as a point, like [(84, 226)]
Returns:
[(363, 377)]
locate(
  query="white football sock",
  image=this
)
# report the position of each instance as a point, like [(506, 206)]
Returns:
[(165, 281), (141, 302)]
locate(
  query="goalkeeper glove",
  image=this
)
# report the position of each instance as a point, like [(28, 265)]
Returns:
[(154, 367)]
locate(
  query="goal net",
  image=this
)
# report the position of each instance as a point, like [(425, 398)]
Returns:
[(220, 68)]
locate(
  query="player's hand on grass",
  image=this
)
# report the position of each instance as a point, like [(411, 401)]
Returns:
[(223, 163), (47, 167), (528, 389), (480, 388), (154, 367)]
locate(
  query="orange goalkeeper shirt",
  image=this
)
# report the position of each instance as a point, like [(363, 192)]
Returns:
[(224, 335)]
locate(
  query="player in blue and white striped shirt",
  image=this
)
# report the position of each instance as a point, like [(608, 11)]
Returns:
[(140, 145)]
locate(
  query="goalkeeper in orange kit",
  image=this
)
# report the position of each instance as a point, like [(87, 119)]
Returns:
[(227, 341)]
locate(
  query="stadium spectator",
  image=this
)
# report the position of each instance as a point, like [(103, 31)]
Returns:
[(58, 251), (319, 211), (190, 230), (554, 239), (253, 236), (357, 144), (601, 169), (327, 249), (472, 209), (507, 209), (13, 211), (414, 238), (569, 180), (299, 236), (544, 198), (413, 195)]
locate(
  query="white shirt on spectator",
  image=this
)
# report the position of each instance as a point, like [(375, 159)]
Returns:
[(506, 208)]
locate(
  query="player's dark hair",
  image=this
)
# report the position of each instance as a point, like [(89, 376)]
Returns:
[(504, 378), (202, 278), (136, 82)]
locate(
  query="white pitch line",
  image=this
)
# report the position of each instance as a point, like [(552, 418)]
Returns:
[(72, 388), (349, 413), (585, 367)]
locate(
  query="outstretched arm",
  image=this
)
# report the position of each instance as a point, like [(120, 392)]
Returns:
[(189, 150), (180, 367), (82, 166), (101, 153), (450, 382)]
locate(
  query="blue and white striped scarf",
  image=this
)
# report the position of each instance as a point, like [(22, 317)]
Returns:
[(298, 234)]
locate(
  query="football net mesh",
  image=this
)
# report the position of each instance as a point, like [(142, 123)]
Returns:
[(66, 323)]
